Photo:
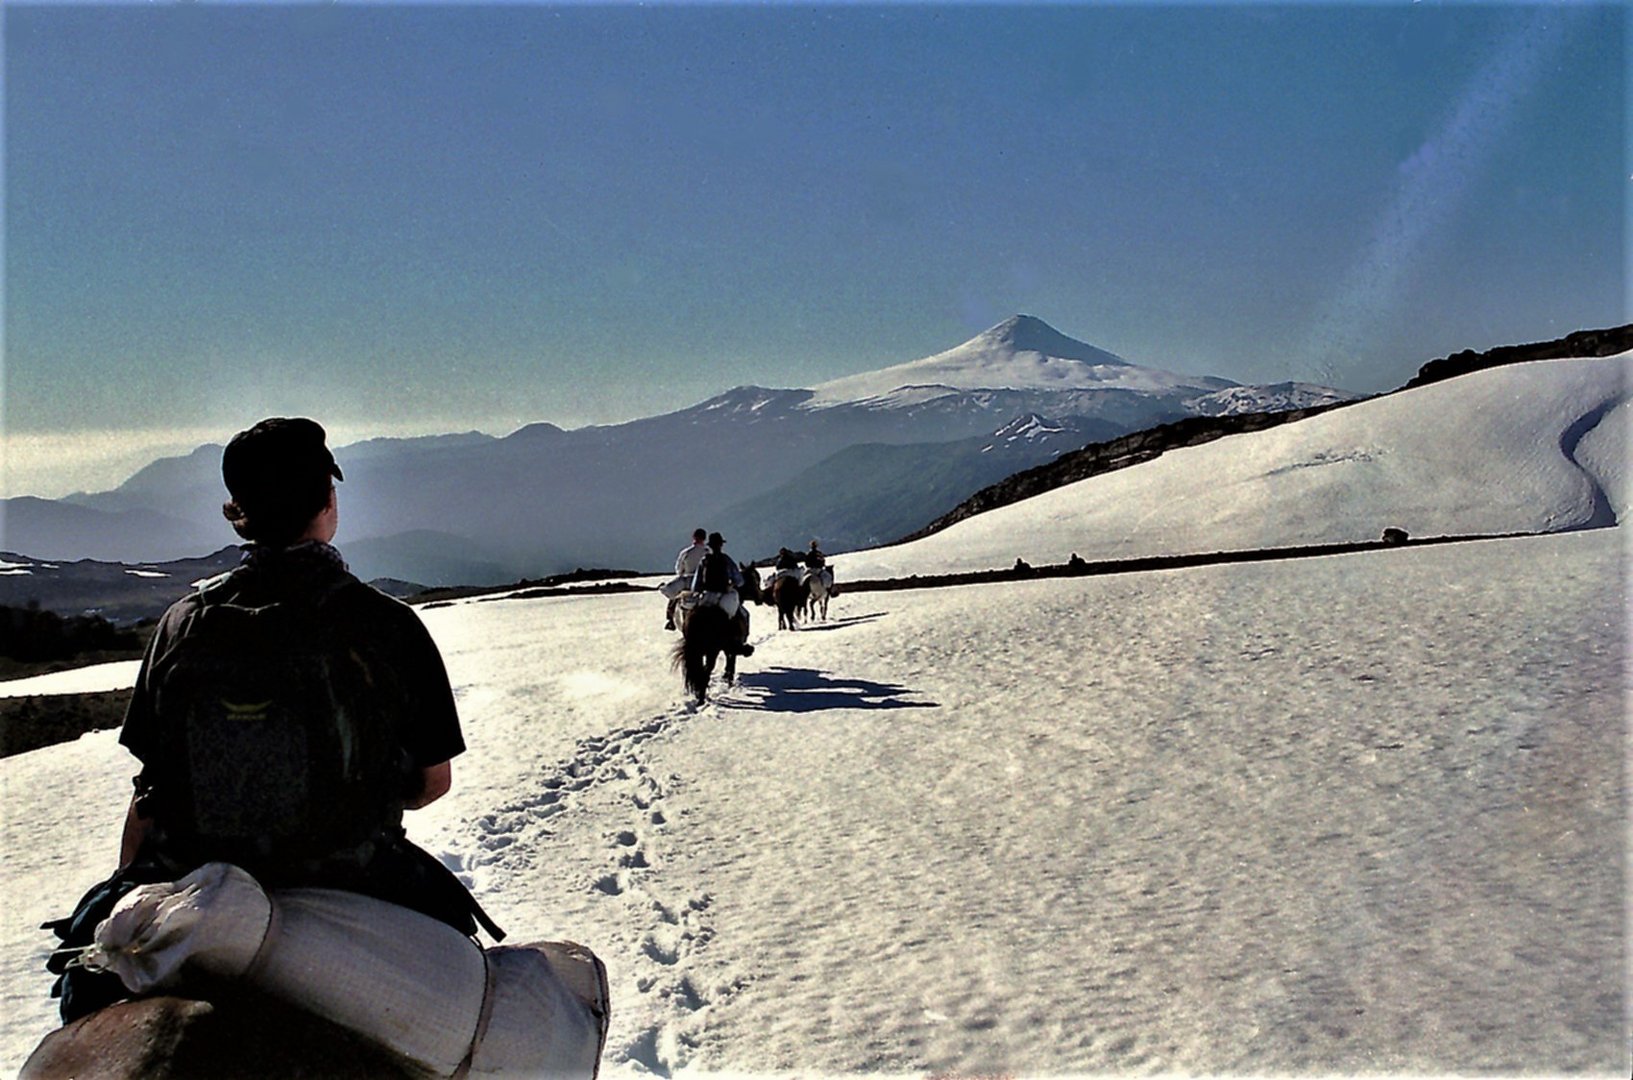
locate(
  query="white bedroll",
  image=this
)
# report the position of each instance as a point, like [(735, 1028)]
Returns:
[(405, 980)]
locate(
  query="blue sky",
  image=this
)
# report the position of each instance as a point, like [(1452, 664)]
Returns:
[(411, 218)]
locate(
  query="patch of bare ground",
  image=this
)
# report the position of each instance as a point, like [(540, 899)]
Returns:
[(28, 723)]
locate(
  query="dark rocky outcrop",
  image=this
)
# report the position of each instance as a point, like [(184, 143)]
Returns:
[(578, 582), (1609, 342), (32, 638), (32, 721), (1079, 567)]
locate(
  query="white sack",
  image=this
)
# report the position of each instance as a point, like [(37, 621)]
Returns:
[(549, 1012), (214, 918), (403, 979)]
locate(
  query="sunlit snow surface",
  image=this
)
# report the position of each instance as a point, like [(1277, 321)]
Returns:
[(115, 675), (1528, 448), (1361, 813)]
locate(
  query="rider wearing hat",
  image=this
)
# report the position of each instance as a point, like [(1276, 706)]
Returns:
[(718, 581)]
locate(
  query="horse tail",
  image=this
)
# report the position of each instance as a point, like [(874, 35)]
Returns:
[(687, 657), (705, 635)]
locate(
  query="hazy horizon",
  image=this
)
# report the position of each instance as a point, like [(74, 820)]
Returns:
[(411, 219)]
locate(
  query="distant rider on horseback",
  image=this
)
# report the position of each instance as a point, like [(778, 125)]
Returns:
[(716, 582), (787, 564), (816, 565), (686, 564)]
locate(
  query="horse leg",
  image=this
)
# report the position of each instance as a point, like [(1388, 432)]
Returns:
[(710, 654), (731, 667)]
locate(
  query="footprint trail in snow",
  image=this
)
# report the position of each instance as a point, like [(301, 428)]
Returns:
[(668, 929)]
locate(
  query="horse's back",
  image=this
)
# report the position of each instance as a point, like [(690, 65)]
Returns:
[(176, 1038)]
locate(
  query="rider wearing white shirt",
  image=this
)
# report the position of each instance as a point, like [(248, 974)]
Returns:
[(686, 564)]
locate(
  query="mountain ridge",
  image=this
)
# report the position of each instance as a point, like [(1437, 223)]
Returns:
[(1141, 446), (544, 499)]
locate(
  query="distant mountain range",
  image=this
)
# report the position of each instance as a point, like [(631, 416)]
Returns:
[(870, 490), (855, 461)]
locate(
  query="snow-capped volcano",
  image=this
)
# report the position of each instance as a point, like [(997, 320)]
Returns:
[(543, 500), (1021, 353)]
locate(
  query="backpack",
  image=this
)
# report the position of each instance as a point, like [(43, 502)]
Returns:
[(277, 738), (715, 573)]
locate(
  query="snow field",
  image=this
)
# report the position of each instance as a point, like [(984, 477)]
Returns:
[(96, 678), (1482, 454), (1360, 813), (1342, 814)]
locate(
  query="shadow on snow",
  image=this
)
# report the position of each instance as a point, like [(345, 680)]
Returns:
[(839, 624), (784, 689)]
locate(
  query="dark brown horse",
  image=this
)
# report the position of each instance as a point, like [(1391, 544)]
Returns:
[(789, 594), (751, 592), (238, 1035), (705, 633)]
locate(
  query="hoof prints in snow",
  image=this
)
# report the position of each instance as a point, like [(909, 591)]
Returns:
[(505, 833), (671, 930), (668, 931)]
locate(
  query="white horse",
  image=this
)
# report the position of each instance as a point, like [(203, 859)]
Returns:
[(820, 586)]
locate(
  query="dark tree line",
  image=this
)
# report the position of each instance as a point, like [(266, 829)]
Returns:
[(33, 634)]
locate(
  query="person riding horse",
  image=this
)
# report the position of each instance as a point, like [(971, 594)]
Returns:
[(787, 564), (819, 581), (685, 566), (717, 581), (816, 565)]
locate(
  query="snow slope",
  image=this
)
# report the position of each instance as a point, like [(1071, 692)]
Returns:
[(1528, 448), (1354, 814), (114, 675)]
